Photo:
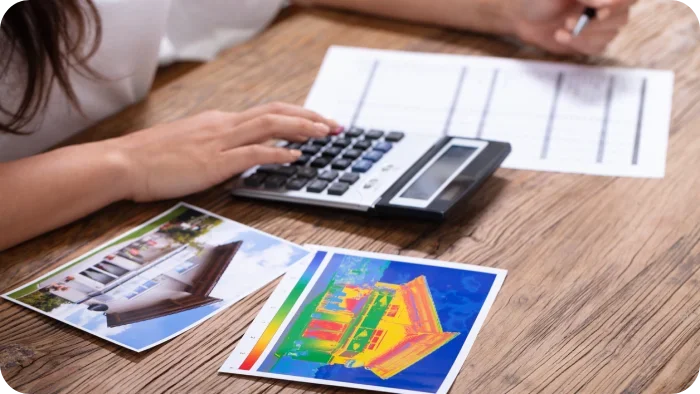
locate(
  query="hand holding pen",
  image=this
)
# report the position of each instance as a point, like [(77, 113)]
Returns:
[(594, 27)]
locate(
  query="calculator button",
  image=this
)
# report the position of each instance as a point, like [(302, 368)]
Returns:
[(296, 184), (362, 166), (317, 186), (354, 132), (341, 164), (374, 134), (310, 149), (394, 136), (292, 145), (332, 151), (338, 189), (342, 142), (255, 180), (320, 162), (349, 177), (329, 175), (363, 145), (321, 141), (373, 156), (383, 147), (302, 160), (275, 181), (268, 168), (352, 154), (307, 172), (285, 171)]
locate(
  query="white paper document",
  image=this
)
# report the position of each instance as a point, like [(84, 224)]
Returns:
[(557, 117)]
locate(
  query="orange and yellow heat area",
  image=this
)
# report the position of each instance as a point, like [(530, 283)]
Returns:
[(407, 330)]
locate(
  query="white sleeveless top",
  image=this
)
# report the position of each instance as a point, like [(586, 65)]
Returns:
[(137, 36)]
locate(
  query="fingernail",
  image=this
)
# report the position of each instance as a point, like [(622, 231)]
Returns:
[(571, 23), (323, 128), (295, 152), (604, 14), (338, 130), (562, 37)]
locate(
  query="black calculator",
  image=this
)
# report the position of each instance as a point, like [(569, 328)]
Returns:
[(380, 172)]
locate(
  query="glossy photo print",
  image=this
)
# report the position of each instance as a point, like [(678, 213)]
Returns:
[(369, 321), (161, 278)]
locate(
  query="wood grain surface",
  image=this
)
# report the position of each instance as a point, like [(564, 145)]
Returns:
[(603, 288)]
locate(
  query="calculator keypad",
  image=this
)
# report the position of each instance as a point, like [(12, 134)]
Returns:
[(330, 165)]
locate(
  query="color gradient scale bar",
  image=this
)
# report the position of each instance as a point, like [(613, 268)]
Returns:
[(282, 313)]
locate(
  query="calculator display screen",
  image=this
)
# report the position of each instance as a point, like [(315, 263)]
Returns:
[(438, 173)]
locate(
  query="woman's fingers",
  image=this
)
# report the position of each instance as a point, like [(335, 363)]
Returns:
[(287, 110), (589, 45), (236, 161), (598, 33), (266, 127)]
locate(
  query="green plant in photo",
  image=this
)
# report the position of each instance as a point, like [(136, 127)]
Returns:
[(43, 300)]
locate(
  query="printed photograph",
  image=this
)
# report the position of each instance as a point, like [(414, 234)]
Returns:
[(381, 323), (161, 278)]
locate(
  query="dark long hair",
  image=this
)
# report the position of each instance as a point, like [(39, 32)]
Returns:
[(49, 38)]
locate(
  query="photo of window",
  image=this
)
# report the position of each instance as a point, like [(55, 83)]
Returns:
[(142, 289), (97, 276), (112, 268)]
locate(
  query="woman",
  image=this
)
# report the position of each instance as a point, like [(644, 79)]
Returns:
[(68, 63)]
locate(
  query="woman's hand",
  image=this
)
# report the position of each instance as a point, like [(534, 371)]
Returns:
[(167, 161), (548, 24), (192, 154), (543, 23)]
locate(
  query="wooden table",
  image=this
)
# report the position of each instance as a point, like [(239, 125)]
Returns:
[(603, 288)]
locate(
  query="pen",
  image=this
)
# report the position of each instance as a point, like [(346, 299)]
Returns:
[(588, 14)]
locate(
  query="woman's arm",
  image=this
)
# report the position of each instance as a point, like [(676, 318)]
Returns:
[(487, 16), (46, 191), (41, 193), (543, 23)]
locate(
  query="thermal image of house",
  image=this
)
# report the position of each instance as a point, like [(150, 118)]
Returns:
[(382, 327)]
